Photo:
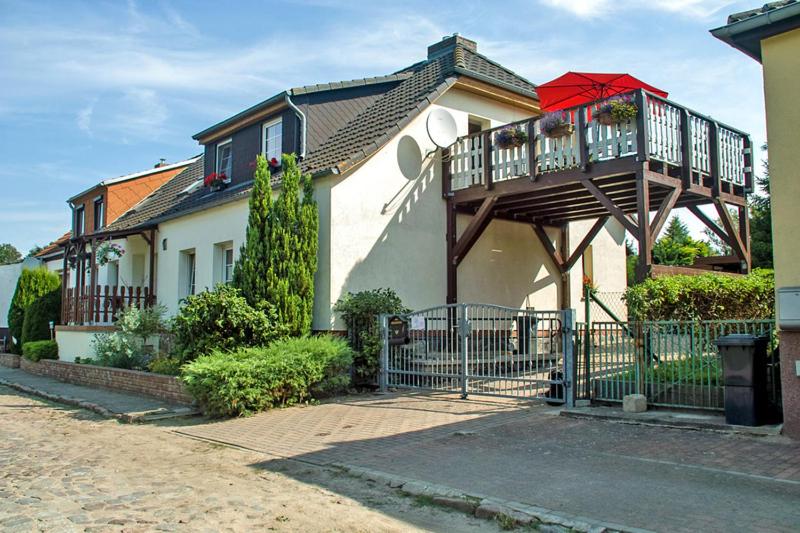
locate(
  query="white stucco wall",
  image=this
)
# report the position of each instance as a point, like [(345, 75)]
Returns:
[(200, 232), (72, 344)]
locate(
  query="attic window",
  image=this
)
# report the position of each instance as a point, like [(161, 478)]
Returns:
[(99, 213), (273, 140), (225, 159)]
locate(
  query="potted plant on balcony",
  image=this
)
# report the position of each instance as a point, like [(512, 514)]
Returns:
[(274, 165), (511, 137), (555, 125), (616, 110), (217, 181), (108, 251)]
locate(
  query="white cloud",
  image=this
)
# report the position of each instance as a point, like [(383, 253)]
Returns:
[(581, 8), (604, 8), (84, 119)]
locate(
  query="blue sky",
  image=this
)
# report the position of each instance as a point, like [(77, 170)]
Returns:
[(93, 90)]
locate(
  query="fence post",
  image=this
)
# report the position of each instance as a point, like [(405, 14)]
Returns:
[(570, 366), (463, 345), (587, 339), (383, 370)]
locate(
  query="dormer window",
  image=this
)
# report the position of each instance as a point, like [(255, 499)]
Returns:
[(79, 217), (273, 140), (225, 159), (99, 213)]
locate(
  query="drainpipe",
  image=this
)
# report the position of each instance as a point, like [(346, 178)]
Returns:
[(303, 126)]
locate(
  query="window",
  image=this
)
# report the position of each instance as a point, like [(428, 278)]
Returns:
[(273, 140), (79, 216), (227, 265), (99, 212), (187, 267), (225, 158)]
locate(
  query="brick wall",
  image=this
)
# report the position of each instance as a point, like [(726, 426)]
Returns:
[(167, 388), (9, 360)]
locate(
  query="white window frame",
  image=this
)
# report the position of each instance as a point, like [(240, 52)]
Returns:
[(192, 271), (227, 268), (265, 145), (80, 220), (221, 145), (99, 224)]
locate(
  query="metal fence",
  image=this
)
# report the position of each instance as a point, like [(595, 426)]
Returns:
[(675, 364), (481, 349)]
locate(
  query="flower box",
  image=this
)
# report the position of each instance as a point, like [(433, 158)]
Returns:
[(510, 137)]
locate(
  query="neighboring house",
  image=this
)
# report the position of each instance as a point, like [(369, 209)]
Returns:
[(771, 36), (468, 223)]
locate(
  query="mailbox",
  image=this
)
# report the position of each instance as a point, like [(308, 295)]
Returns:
[(789, 308), (398, 331)]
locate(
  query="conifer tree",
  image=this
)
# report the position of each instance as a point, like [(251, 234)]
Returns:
[(250, 271)]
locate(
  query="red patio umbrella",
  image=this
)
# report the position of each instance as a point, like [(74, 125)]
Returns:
[(576, 88)]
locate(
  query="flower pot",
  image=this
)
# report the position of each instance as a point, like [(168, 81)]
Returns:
[(605, 119), (507, 145), (218, 186), (560, 131)]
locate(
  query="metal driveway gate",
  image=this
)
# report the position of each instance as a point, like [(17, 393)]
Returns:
[(481, 349)]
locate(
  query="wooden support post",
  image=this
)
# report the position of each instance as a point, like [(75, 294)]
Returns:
[(713, 158), (612, 207), (642, 134), (152, 281), (532, 148), (733, 233), (663, 212), (748, 164), (583, 152), (64, 283), (93, 278), (474, 230), (487, 161), (686, 148), (587, 240), (566, 293), (744, 234), (554, 255), (719, 232), (451, 270), (644, 235)]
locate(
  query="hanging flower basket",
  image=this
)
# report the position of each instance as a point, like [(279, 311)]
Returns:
[(217, 182), (511, 137), (616, 110), (108, 252), (554, 125)]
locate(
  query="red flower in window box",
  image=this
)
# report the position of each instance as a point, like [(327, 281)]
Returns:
[(215, 180), (274, 163)]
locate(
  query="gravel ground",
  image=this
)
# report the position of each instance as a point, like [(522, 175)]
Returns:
[(64, 469)]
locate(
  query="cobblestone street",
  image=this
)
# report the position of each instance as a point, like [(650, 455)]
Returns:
[(64, 469)]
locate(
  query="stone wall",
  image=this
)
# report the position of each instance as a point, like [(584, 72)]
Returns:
[(166, 388), (9, 360)]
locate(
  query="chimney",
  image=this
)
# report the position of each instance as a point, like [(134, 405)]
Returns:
[(449, 43), (162, 163)]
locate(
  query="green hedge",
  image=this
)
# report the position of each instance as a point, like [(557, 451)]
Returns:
[(39, 314), (704, 297), (31, 285), (284, 373), (222, 320), (38, 350)]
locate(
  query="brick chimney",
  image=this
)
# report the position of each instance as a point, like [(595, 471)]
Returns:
[(449, 43)]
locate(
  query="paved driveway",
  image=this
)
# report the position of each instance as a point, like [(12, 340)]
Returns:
[(650, 477)]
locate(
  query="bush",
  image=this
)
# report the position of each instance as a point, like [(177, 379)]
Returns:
[(31, 285), (38, 350), (360, 312), (257, 378), (222, 320), (39, 314), (128, 348), (704, 297), (169, 366)]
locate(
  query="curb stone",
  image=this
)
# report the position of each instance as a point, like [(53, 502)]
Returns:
[(126, 418), (488, 507)]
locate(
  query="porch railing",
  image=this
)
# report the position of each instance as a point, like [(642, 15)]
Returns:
[(81, 307), (706, 152)]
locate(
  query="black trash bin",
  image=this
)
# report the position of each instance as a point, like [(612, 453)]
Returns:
[(744, 364)]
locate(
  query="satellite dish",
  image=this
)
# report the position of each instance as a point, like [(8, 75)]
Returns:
[(441, 128)]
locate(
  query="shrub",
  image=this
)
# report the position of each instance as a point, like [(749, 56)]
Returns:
[(170, 366), (38, 350), (128, 348), (32, 284), (360, 312), (253, 379), (222, 320), (704, 297), (39, 314)]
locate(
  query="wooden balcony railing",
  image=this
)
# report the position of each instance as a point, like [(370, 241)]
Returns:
[(703, 151), (104, 304)]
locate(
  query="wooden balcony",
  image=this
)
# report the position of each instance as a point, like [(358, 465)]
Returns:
[(102, 305), (668, 156)]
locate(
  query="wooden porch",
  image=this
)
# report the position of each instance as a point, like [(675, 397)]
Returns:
[(635, 171), (84, 301)]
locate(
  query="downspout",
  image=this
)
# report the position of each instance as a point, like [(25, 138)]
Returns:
[(303, 125)]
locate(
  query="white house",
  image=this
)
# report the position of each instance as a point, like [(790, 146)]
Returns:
[(385, 196)]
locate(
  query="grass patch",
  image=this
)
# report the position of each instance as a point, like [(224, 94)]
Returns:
[(506, 523)]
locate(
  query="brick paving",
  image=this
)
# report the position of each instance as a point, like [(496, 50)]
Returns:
[(650, 477)]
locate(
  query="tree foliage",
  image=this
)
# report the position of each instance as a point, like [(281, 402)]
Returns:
[(31, 285), (39, 314), (9, 254), (761, 223), (677, 247), (278, 261)]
